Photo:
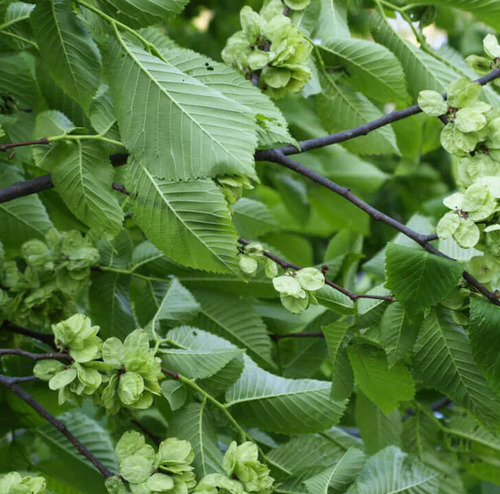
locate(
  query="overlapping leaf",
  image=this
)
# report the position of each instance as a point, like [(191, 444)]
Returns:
[(194, 424), (83, 179), (274, 403), (188, 221), (419, 279), (177, 126), (383, 385), (391, 471), (140, 13), (372, 68), (338, 476), (484, 331), (236, 321), (67, 49), (196, 353), (342, 108), (443, 360)]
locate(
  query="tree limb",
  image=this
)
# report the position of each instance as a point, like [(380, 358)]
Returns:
[(35, 356), (14, 328), (11, 384)]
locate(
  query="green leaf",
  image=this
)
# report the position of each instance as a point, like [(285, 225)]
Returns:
[(332, 20), (341, 108), (110, 304), (419, 279), (188, 221), (17, 19), (197, 133), (342, 377), (57, 99), (443, 360), (307, 19), (333, 299), (253, 218), (391, 471), (270, 124), (195, 425), (472, 436), (282, 405), (83, 179), (372, 68), (483, 331), (422, 70), (140, 13), (177, 306), (175, 393), (338, 476), (236, 321), (377, 429), (385, 386), (17, 79), (304, 452), (67, 49), (196, 353), (397, 332), (22, 219)]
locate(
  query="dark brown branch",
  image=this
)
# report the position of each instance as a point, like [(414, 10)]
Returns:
[(422, 240), (362, 130), (153, 437), (6, 147), (34, 356), (11, 383), (277, 337), (173, 375), (288, 265), (14, 328), (23, 379), (21, 189)]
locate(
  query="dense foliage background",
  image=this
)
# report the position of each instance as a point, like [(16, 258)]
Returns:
[(157, 204)]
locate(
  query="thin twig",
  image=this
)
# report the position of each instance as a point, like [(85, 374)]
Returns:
[(6, 147), (288, 265), (34, 356), (11, 383), (277, 337), (14, 328)]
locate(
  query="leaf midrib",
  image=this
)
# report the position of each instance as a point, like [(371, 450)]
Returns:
[(181, 108)]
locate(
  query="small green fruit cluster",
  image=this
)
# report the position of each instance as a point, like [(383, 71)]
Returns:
[(118, 375), (296, 288), (472, 136), (483, 65), (232, 187), (244, 473), (242, 463), (136, 372), (14, 483), (272, 47), (167, 471), (41, 287)]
